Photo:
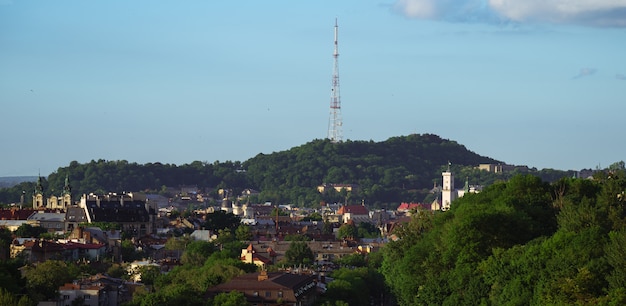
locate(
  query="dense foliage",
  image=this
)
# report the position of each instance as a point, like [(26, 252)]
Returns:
[(523, 242), (398, 169)]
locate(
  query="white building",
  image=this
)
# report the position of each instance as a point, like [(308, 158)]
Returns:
[(449, 193)]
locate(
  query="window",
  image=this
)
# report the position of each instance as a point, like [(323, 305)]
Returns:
[(268, 294), (280, 294), (66, 297), (256, 293), (87, 297)]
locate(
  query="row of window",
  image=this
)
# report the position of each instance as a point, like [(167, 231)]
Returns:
[(268, 294)]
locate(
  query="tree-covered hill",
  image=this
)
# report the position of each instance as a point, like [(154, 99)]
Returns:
[(398, 169)]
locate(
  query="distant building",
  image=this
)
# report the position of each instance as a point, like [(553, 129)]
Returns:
[(356, 213), (132, 211), (261, 259), (51, 221), (272, 289), (337, 187), (449, 193), (53, 202), (98, 290)]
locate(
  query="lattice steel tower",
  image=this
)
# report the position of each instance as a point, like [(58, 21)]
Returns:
[(334, 122)]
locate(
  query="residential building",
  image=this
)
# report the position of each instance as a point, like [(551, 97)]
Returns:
[(271, 288), (51, 221), (261, 259), (135, 215), (98, 290)]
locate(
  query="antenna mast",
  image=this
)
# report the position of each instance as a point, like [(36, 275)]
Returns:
[(334, 123)]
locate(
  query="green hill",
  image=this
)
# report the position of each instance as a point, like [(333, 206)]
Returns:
[(395, 170), (399, 169)]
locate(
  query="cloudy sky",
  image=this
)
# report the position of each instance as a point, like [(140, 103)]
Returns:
[(529, 82)]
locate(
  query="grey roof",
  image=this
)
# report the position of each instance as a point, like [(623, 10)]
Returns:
[(42, 216), (114, 211)]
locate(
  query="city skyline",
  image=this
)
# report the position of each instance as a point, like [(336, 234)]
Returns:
[(538, 83)]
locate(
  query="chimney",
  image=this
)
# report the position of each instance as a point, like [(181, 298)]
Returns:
[(263, 275)]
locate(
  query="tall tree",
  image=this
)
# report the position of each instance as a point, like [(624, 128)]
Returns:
[(299, 253)]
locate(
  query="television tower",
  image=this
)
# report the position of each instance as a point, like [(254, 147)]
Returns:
[(334, 123)]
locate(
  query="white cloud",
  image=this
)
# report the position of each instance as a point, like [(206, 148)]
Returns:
[(423, 9), (584, 12), (585, 72), (589, 12)]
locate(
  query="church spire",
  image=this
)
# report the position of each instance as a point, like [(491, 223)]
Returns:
[(39, 186), (38, 194), (67, 188)]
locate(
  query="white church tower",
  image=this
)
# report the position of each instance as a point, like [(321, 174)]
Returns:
[(448, 193)]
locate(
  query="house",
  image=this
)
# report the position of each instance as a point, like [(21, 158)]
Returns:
[(271, 288), (356, 213), (261, 259)]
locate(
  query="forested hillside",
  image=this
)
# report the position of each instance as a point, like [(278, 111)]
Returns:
[(389, 172), (521, 242)]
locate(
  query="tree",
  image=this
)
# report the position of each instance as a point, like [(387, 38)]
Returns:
[(233, 298), (9, 299), (10, 277), (44, 279), (26, 230), (5, 242), (117, 271), (348, 230), (197, 252), (367, 230), (221, 220), (297, 237), (129, 251), (243, 233), (177, 243), (149, 274), (352, 260), (299, 253)]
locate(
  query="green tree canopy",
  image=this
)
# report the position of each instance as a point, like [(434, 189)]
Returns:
[(44, 279), (233, 298), (299, 253), (26, 230)]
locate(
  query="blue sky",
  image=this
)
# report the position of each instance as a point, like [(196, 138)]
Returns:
[(529, 82)]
